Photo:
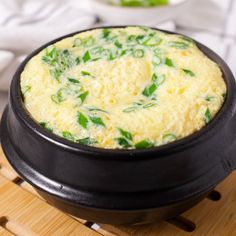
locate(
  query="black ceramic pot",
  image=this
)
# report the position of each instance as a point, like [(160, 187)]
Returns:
[(121, 186)]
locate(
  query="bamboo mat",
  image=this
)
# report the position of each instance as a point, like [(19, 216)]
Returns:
[(24, 213)]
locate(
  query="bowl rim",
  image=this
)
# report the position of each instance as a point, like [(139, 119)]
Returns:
[(136, 9), (224, 114)]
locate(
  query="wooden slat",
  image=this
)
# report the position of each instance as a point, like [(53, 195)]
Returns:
[(210, 217), (4, 232), (34, 215), (217, 218), (27, 213)]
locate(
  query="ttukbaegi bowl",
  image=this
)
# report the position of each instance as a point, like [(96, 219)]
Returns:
[(121, 186)]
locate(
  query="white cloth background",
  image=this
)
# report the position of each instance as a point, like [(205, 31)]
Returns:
[(27, 24)]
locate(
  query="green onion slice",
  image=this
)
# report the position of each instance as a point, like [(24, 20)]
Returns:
[(96, 109), (46, 125), (87, 141), (123, 142), (97, 120), (74, 81), (26, 89), (209, 98), (188, 72), (178, 45), (167, 138), (144, 144), (169, 62), (207, 115), (106, 33), (148, 91), (138, 53), (83, 96), (58, 97), (86, 57), (125, 134), (153, 41), (68, 135), (82, 120)]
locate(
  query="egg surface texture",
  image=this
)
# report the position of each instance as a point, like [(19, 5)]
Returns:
[(125, 88)]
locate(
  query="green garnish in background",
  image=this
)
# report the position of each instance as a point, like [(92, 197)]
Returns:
[(139, 3)]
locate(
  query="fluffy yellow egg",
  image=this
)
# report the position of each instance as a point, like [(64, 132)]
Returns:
[(130, 87)]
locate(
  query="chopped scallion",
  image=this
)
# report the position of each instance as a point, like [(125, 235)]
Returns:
[(138, 53), (67, 135), (178, 45), (96, 109), (123, 142), (26, 89), (144, 144), (169, 62), (209, 98), (167, 138), (97, 120), (106, 33), (148, 91), (188, 72), (46, 125), (126, 134), (58, 97), (86, 57), (86, 141), (74, 81), (207, 115), (83, 96), (118, 44), (82, 120), (86, 73)]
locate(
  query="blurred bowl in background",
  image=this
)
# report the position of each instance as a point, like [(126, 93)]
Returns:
[(114, 14)]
